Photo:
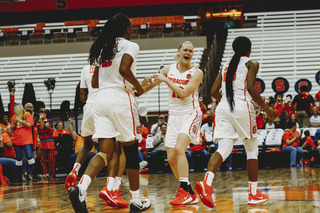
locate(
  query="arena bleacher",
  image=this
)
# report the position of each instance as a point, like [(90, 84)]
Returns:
[(286, 44), (66, 70)]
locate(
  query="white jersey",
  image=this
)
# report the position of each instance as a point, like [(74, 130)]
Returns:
[(86, 77), (239, 81), (109, 75), (176, 104)]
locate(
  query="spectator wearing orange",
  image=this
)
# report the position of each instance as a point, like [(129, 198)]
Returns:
[(279, 105), (4, 123), (8, 145), (309, 145), (47, 146), (142, 148), (21, 126), (291, 144)]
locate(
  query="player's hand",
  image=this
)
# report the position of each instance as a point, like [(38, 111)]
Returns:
[(160, 77), (139, 91), (146, 81), (70, 120), (271, 114)]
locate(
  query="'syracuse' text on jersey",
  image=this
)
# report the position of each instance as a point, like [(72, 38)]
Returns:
[(176, 104), (86, 77), (239, 80), (109, 75)]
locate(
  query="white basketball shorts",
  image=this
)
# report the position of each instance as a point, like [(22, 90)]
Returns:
[(87, 126), (116, 115), (188, 124), (239, 123)]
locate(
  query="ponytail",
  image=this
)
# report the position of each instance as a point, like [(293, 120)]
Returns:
[(104, 48), (241, 46), (229, 78)]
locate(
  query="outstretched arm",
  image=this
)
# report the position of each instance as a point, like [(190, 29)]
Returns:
[(192, 85), (149, 83)]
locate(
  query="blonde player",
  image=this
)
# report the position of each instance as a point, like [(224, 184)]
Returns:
[(235, 117), (116, 110), (185, 116)]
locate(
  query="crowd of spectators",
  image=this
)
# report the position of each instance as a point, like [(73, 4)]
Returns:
[(36, 148)]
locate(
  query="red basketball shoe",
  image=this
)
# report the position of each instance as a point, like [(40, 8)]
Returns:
[(205, 193), (182, 198), (71, 180), (258, 198)]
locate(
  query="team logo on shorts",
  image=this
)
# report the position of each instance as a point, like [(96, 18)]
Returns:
[(254, 130), (188, 76), (138, 129), (194, 129)]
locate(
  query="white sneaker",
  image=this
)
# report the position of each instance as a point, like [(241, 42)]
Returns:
[(143, 164), (139, 205)]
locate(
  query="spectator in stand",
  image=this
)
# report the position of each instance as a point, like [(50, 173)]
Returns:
[(8, 164), (8, 145), (207, 131), (317, 97), (25, 168), (155, 128), (303, 102), (289, 107), (78, 143), (142, 150), (293, 119), (270, 101), (315, 118), (229, 23), (48, 149), (260, 119), (282, 120), (269, 124), (63, 142), (4, 123), (291, 144), (159, 148), (279, 105), (198, 150), (21, 127), (309, 145)]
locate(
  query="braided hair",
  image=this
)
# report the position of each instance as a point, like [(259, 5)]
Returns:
[(104, 48), (241, 46)]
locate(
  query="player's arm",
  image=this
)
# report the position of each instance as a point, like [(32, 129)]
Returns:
[(192, 85), (126, 73), (95, 78), (253, 67), (215, 90), (149, 83), (71, 128), (83, 94)]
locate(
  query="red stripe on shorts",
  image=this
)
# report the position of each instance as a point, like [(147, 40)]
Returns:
[(193, 122), (249, 119), (134, 127)]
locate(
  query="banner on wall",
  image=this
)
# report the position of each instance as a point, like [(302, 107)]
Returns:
[(260, 85), (318, 77), (302, 82), (280, 85)]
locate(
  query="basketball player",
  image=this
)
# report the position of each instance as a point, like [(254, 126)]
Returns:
[(183, 80), (115, 59), (235, 117), (88, 95)]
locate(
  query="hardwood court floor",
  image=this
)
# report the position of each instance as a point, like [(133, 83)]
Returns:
[(290, 190)]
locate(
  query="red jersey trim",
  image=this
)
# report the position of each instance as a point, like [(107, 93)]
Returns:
[(133, 123)]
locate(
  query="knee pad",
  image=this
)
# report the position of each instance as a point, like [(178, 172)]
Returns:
[(251, 146), (225, 147), (104, 157), (132, 155), (19, 163), (31, 161)]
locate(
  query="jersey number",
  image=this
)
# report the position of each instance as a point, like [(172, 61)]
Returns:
[(174, 94)]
